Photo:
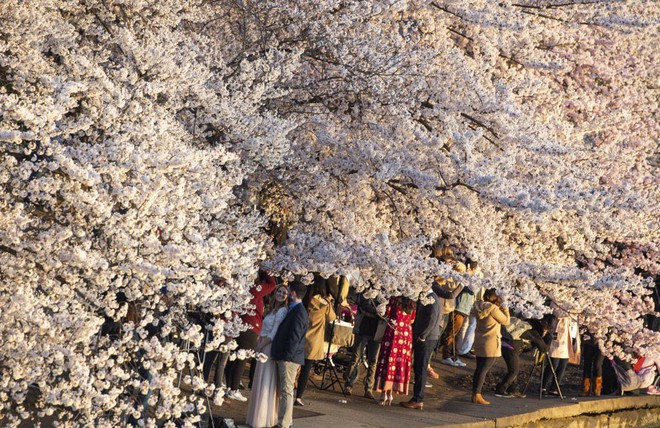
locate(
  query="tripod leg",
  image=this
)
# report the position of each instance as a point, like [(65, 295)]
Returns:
[(201, 357), (542, 373), (328, 364), (192, 374), (554, 375), (529, 377), (337, 380), (187, 347), (531, 372), (333, 378)]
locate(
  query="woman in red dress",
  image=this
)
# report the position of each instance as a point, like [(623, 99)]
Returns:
[(395, 358)]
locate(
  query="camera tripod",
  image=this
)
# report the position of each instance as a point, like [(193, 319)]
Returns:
[(329, 375), (540, 359)]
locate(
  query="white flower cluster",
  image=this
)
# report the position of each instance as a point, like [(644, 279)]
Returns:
[(518, 133), (124, 135)]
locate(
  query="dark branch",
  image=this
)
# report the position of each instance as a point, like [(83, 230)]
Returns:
[(481, 124)]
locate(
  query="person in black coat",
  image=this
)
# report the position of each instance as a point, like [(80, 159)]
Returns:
[(426, 333), (366, 342), (288, 351)]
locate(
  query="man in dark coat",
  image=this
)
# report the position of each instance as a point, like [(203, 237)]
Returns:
[(366, 342), (288, 351), (426, 333)]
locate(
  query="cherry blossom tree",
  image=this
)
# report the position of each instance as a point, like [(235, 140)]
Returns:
[(145, 148), (125, 137), (519, 133)]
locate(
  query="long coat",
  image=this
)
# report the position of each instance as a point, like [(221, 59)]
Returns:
[(320, 313), (566, 331), (488, 336)]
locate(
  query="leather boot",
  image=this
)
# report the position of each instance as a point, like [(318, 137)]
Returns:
[(586, 387), (479, 399), (598, 385)]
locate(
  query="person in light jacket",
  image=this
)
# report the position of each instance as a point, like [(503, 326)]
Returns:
[(320, 311), (566, 329), (491, 316)]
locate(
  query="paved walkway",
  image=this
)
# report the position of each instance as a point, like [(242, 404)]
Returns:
[(447, 403), (462, 413)]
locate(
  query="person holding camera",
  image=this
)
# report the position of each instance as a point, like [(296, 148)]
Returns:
[(426, 333), (565, 330), (369, 329), (516, 336), (320, 312), (395, 357), (264, 285), (491, 315)]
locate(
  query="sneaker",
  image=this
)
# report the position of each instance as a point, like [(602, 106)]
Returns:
[(433, 374), (235, 395), (653, 390), (503, 394), (448, 361), (517, 394), (459, 363), (428, 385), (298, 402)]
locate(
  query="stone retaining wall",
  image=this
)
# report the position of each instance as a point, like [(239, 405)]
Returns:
[(620, 412)]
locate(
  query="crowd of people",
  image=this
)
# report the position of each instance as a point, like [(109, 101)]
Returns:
[(397, 347)]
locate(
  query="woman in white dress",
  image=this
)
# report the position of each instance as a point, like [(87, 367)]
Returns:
[(262, 408)]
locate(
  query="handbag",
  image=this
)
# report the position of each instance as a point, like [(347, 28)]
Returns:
[(575, 351)]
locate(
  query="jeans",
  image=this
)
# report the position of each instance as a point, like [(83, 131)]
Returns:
[(484, 364), (593, 361), (220, 359), (286, 376), (466, 335), (559, 364), (422, 357), (304, 377), (362, 344), (512, 360), (449, 338), (246, 340)]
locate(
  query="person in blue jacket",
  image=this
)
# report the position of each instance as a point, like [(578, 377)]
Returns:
[(288, 351)]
